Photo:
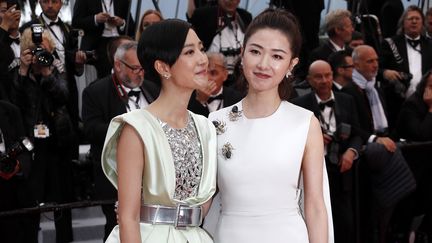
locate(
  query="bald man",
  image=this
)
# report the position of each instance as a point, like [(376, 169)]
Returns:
[(337, 116), (386, 174)]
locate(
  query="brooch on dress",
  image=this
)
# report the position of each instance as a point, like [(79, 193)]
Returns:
[(227, 149), (234, 114), (220, 126)]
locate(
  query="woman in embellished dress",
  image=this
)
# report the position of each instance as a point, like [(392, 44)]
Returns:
[(162, 159), (266, 143)]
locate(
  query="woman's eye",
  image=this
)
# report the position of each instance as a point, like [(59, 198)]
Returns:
[(189, 52), (255, 52), (277, 57)]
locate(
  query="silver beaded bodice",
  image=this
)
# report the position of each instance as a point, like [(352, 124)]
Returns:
[(186, 152)]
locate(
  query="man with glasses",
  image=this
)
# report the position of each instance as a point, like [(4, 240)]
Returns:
[(404, 59), (342, 67), (122, 91)]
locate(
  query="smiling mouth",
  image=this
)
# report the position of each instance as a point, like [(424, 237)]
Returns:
[(262, 75)]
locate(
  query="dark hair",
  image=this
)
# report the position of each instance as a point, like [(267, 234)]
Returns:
[(337, 60), (421, 86), (287, 24), (162, 41), (112, 46), (429, 12), (356, 35)]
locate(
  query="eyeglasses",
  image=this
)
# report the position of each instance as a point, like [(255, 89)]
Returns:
[(135, 70)]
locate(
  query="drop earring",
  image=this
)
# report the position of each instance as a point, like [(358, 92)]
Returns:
[(166, 76), (288, 74)]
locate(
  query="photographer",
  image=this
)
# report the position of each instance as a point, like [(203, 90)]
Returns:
[(14, 184), (404, 58), (42, 96)]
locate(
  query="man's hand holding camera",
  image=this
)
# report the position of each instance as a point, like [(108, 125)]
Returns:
[(103, 17), (11, 19)]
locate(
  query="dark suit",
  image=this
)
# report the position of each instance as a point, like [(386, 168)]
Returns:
[(205, 22), (15, 192), (84, 18), (340, 183), (230, 97), (6, 76), (388, 61), (324, 51), (101, 103)]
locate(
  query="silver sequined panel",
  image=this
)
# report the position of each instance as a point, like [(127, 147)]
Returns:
[(186, 151)]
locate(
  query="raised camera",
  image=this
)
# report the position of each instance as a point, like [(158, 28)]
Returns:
[(43, 57)]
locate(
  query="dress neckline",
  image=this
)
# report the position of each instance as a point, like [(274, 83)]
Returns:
[(240, 108)]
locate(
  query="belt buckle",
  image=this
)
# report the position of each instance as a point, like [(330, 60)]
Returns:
[(177, 217)]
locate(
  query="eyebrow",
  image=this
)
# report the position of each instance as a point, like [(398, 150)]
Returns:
[(274, 49), (191, 44)]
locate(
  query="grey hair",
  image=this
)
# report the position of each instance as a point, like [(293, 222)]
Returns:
[(123, 48), (410, 8), (334, 19), (219, 55), (355, 54)]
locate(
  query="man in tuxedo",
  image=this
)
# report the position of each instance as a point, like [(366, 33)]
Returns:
[(106, 98), (216, 96), (337, 115), (102, 20), (342, 67), (339, 29), (404, 59), (10, 16), (221, 29)]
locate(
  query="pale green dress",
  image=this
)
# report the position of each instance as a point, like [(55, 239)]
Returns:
[(158, 183)]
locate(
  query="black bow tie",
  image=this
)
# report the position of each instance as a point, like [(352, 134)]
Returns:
[(329, 103), (54, 23), (413, 43), (134, 93), (13, 40), (212, 98)]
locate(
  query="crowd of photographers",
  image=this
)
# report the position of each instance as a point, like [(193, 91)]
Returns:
[(41, 129)]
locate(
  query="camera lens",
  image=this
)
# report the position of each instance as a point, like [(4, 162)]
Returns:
[(43, 57)]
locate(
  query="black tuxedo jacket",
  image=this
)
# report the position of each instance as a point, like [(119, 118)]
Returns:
[(101, 103), (344, 111), (230, 97), (205, 22), (7, 57), (388, 61), (84, 18), (324, 51)]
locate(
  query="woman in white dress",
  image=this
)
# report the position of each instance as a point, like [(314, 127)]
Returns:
[(265, 144)]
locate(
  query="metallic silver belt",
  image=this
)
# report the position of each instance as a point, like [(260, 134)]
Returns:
[(180, 216)]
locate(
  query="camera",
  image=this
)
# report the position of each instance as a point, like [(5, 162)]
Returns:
[(43, 57), (230, 51), (77, 35), (9, 164), (343, 132), (90, 55)]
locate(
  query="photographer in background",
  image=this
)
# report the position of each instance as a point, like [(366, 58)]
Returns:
[(337, 115), (9, 45), (70, 59), (14, 185), (42, 96), (404, 59)]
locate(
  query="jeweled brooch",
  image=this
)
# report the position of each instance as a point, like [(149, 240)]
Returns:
[(234, 114), (220, 126), (227, 149)]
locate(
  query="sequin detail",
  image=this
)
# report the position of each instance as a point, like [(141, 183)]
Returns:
[(186, 151)]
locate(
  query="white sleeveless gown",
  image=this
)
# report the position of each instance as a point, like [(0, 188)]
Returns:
[(258, 185)]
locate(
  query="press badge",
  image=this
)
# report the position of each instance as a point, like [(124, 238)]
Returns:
[(41, 131)]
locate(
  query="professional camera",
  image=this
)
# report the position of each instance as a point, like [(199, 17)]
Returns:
[(343, 132), (230, 51), (43, 57), (77, 35), (9, 164)]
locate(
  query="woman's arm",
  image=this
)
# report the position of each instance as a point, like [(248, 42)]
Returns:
[(312, 166), (130, 165)]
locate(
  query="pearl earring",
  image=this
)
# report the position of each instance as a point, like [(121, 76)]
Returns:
[(288, 74), (166, 75)]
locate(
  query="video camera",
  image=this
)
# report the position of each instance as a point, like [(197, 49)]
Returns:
[(43, 57), (9, 164)]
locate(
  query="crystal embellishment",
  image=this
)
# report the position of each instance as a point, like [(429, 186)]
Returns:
[(220, 126), (227, 149), (186, 152), (234, 114)]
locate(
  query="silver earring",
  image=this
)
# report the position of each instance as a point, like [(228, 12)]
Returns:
[(288, 74), (166, 75)]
